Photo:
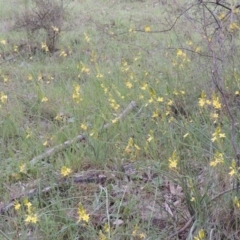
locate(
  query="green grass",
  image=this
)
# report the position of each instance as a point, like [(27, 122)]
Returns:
[(129, 188)]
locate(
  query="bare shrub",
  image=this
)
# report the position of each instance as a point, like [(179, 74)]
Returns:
[(42, 21)]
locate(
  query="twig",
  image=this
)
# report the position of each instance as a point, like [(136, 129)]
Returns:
[(80, 137), (123, 114), (189, 222), (56, 149)]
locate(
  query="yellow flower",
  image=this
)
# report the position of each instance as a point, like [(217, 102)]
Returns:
[(113, 103), (44, 99), (17, 205), (99, 75), (15, 48), (131, 30), (144, 86), (106, 228), (85, 69), (63, 54), (221, 16), (173, 160), (197, 49), (76, 94), (128, 84), (84, 127), (217, 134), (233, 26), (185, 135), (30, 77), (150, 136), (202, 100), (27, 204), (115, 120), (55, 29), (147, 29), (236, 202), (102, 236), (200, 236), (22, 168), (218, 158), (160, 99), (87, 38), (3, 42), (65, 171), (155, 114), (180, 53), (3, 97), (44, 47), (31, 218), (215, 102), (233, 168), (82, 214)]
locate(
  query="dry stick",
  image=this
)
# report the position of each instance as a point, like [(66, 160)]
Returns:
[(80, 137), (188, 223), (54, 150), (123, 114)]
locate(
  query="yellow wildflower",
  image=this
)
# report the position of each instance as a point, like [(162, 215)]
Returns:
[(102, 236), (44, 47), (3, 42), (30, 77), (202, 100), (173, 160), (155, 114), (15, 48), (82, 214), (3, 97), (233, 26), (233, 168), (63, 54), (44, 99), (215, 102), (236, 202), (144, 86), (55, 29), (17, 205), (147, 29), (218, 158), (22, 168), (217, 134), (65, 171), (200, 236), (31, 218), (84, 126), (128, 84), (150, 136), (76, 93)]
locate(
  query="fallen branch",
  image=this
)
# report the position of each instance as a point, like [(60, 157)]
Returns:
[(123, 114), (56, 149), (76, 179), (81, 137), (188, 224)]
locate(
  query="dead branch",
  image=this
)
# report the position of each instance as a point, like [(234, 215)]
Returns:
[(188, 223), (80, 137), (56, 149), (123, 114)]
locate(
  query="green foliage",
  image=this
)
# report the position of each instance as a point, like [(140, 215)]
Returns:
[(138, 175)]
